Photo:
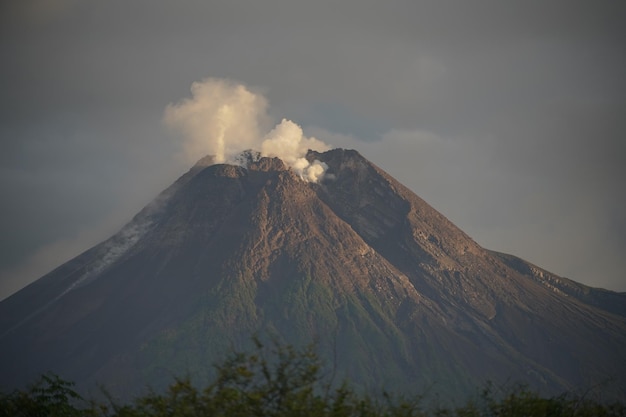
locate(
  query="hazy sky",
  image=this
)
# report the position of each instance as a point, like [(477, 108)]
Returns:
[(509, 117)]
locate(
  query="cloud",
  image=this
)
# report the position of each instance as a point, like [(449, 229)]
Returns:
[(224, 118), (287, 142)]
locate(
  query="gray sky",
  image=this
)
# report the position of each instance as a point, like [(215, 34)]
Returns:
[(506, 116)]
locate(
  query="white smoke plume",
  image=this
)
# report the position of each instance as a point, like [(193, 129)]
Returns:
[(224, 118)]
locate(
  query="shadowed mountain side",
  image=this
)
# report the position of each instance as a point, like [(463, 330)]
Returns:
[(478, 290), (394, 295)]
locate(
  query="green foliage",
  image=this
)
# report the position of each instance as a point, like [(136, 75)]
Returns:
[(280, 381)]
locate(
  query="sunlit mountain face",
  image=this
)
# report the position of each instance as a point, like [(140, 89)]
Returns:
[(393, 295)]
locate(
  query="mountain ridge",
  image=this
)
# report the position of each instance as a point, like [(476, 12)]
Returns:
[(392, 291)]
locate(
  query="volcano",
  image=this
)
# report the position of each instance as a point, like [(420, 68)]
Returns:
[(392, 293)]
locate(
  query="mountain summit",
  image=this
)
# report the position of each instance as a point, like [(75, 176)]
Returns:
[(392, 292)]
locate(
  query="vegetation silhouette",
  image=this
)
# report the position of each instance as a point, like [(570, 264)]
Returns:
[(281, 381)]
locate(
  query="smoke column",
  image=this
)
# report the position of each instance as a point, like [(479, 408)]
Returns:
[(224, 118)]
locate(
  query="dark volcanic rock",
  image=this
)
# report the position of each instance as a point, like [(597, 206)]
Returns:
[(394, 294)]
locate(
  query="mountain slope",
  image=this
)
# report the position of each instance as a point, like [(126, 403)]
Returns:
[(394, 294)]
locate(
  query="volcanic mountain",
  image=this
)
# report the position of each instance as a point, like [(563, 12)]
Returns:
[(394, 295)]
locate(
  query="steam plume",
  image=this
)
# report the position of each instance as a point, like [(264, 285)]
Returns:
[(223, 118)]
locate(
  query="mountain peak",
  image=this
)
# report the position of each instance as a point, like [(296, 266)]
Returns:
[(337, 159), (393, 292), (267, 164), (225, 170), (249, 159)]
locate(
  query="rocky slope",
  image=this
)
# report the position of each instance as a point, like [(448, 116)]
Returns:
[(394, 294)]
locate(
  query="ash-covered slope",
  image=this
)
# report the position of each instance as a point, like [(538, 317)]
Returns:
[(393, 293)]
